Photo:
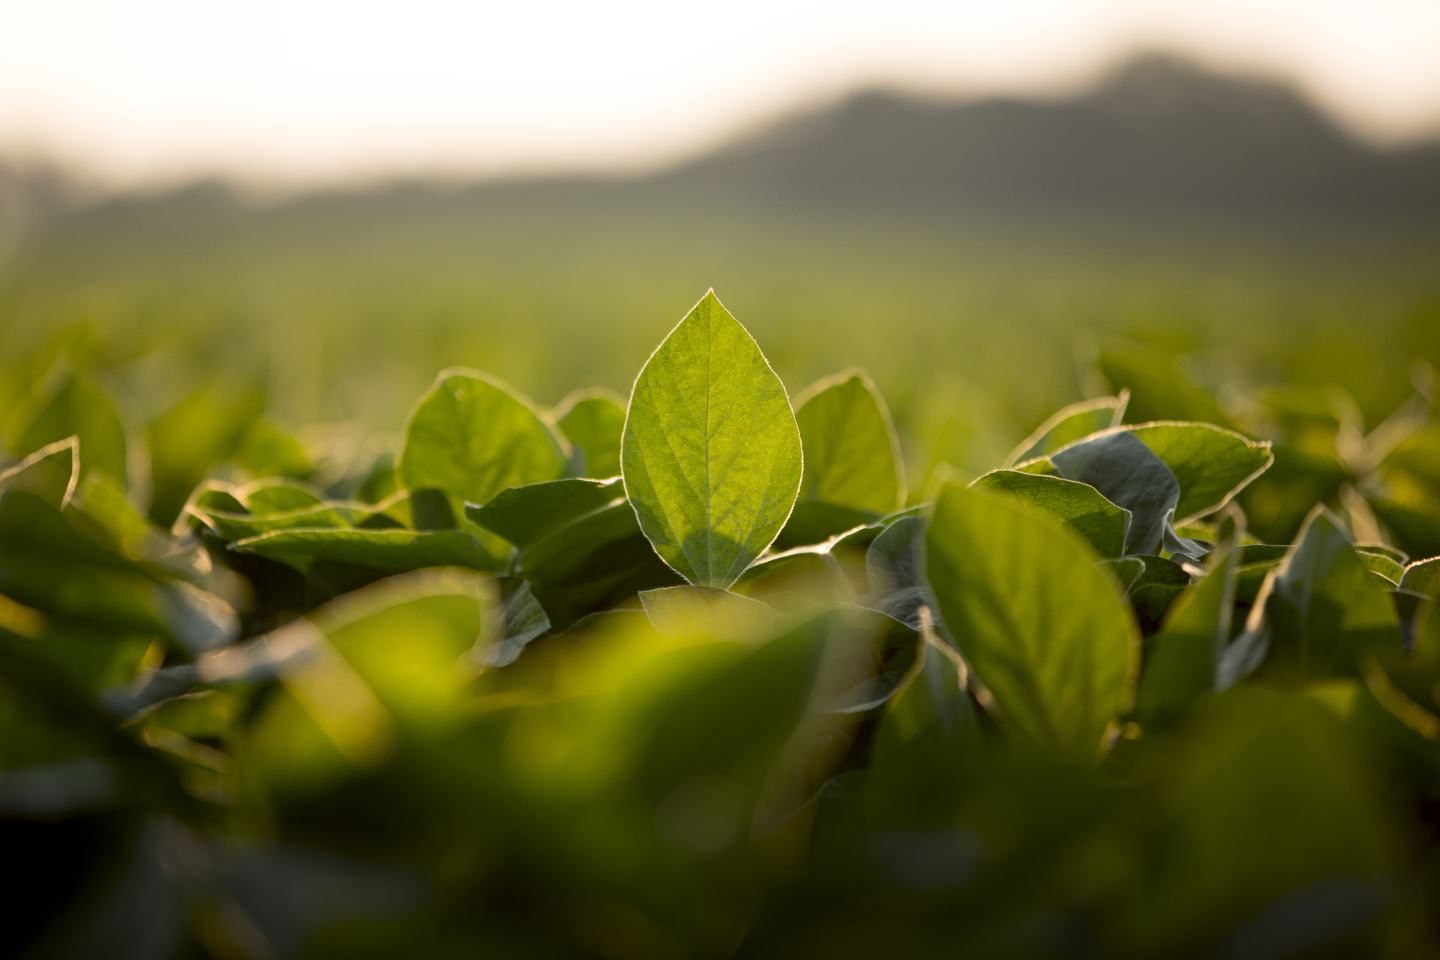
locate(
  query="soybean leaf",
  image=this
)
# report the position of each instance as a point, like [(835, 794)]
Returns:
[(580, 546), (1382, 565), (1422, 576), (1210, 463), (894, 567), (1129, 475), (1077, 505), (711, 452), (525, 620), (1043, 627), (1326, 613), (528, 514), (592, 421), (472, 436), (1070, 424), (390, 550), (1182, 660), (852, 455)]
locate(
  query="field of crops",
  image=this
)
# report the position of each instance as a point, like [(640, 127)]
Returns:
[(700, 672)]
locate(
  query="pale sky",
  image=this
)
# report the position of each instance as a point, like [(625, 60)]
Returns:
[(293, 91)]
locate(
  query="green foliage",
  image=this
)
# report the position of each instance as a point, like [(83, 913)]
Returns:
[(467, 691)]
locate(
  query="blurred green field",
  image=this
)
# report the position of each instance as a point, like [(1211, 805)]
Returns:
[(975, 331)]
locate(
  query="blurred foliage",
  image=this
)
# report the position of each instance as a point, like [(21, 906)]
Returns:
[(264, 693)]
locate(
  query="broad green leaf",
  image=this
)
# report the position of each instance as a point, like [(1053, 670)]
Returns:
[(1077, 505), (1182, 660), (1326, 613), (67, 404), (50, 473), (472, 436), (1422, 576), (852, 455), (1210, 463), (392, 550), (711, 454), (1043, 627), (1070, 424), (592, 421)]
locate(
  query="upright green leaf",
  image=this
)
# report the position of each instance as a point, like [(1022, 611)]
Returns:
[(852, 455), (1077, 505), (472, 436), (592, 421), (1070, 424), (711, 452), (1326, 612), (1044, 627)]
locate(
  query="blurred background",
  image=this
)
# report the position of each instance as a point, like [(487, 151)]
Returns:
[(309, 208)]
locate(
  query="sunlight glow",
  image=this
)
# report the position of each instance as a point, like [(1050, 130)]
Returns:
[(279, 89)]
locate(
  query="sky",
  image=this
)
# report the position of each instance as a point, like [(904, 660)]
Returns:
[(293, 92)]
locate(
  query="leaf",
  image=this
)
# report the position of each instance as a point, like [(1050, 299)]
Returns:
[(1070, 424), (580, 546), (1382, 565), (50, 473), (1077, 505), (1326, 613), (852, 455), (1210, 463), (472, 436), (1129, 475), (592, 421), (275, 494), (392, 550), (1422, 576), (525, 620), (1043, 627), (711, 453), (1182, 660), (894, 567), (526, 515), (67, 404)]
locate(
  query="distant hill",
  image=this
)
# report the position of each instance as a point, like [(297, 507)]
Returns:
[(1157, 138)]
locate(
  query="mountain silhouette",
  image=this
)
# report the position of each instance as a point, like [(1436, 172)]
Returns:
[(1156, 138)]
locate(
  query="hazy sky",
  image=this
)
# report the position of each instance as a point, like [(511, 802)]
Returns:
[(296, 90)]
